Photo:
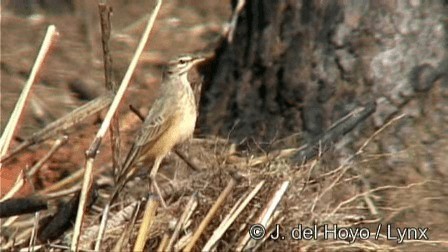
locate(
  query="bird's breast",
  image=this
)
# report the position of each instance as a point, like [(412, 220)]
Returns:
[(187, 120)]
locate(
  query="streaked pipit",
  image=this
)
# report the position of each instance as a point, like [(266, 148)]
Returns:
[(170, 121)]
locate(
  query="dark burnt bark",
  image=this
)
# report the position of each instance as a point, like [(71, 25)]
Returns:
[(298, 66)]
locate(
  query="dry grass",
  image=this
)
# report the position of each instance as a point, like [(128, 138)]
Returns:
[(312, 195)]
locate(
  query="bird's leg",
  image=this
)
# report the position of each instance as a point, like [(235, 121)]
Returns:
[(153, 182)]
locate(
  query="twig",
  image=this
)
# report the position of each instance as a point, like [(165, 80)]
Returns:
[(125, 235), (345, 168), (273, 203), (63, 123), (189, 208), (68, 180), (265, 215), (57, 144), (101, 232), (20, 181), (265, 158), (210, 215), (104, 218), (228, 221), (73, 118), (118, 220), (381, 188), (8, 222), (33, 248), (93, 149), (361, 149), (105, 11), (321, 143), (34, 232), (318, 145), (21, 238), (183, 241), (163, 243), (233, 22), (367, 196), (63, 193), (63, 183), (186, 160), (272, 228), (148, 219), (7, 135), (115, 146)]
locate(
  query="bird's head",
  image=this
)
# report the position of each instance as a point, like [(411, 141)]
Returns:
[(183, 64)]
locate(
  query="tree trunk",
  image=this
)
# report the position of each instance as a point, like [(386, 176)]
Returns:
[(298, 66)]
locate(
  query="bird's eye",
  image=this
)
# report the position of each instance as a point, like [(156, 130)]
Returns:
[(181, 61)]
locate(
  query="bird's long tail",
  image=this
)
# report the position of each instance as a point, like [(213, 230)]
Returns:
[(127, 172)]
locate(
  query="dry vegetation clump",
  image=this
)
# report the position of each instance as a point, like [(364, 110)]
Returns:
[(317, 193)]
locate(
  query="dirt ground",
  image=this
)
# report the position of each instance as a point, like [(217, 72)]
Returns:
[(73, 74)]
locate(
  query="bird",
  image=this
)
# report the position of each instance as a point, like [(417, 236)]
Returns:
[(170, 121)]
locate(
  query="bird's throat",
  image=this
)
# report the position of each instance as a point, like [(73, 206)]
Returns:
[(184, 79)]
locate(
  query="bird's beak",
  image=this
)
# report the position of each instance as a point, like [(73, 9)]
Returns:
[(198, 60)]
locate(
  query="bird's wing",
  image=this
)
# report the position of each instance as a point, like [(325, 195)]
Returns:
[(157, 121)]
